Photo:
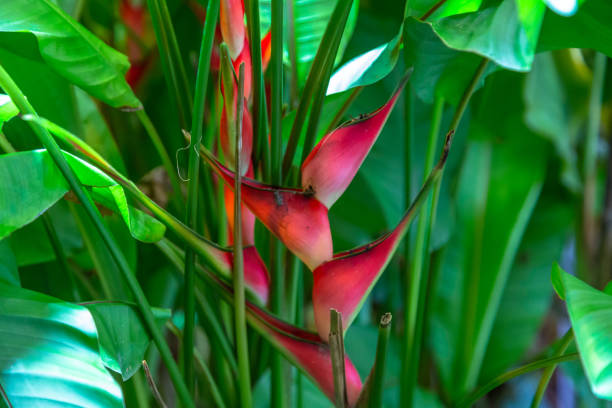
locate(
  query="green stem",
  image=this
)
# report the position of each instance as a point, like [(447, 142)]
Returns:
[(418, 273), (501, 379), (276, 303), (335, 122), (5, 144), (208, 34), (172, 62), (276, 68), (317, 71), (548, 372), (336, 349), (378, 371), (161, 151), (6, 82), (242, 347), (261, 145)]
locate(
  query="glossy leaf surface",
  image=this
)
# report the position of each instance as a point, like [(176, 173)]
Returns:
[(71, 50), (590, 312), (50, 357)]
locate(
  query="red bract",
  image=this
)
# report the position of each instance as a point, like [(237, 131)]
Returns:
[(248, 219), (231, 17), (331, 166), (344, 282), (297, 218), (266, 50)]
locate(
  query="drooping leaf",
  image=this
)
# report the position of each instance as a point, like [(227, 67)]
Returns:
[(438, 69), (507, 33), (32, 183), (122, 336), (588, 28), (49, 353), (590, 312), (70, 49)]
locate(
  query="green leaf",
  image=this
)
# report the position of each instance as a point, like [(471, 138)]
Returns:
[(507, 34), (70, 49), (418, 8), (32, 183), (49, 353), (527, 294), (438, 69), (8, 110), (590, 312), (499, 185), (310, 19), (8, 265), (122, 336), (589, 28), (546, 114), (367, 68)]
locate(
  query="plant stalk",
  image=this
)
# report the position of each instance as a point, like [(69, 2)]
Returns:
[(191, 219), (336, 348), (242, 347), (418, 271), (566, 340)]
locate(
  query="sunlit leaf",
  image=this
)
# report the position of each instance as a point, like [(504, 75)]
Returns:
[(122, 335), (8, 110), (70, 49), (49, 353), (590, 312), (32, 183)]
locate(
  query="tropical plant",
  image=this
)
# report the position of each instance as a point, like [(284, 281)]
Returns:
[(236, 182)]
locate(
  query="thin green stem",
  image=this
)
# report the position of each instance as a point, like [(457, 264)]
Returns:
[(334, 29), (417, 271), (60, 255), (49, 143), (347, 104), (161, 151), (276, 100), (172, 62), (261, 145), (378, 371), (278, 283), (242, 346), (208, 34), (564, 343), (503, 378), (5, 144)]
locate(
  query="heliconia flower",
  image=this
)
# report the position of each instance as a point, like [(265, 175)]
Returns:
[(266, 50), (297, 218), (331, 166), (231, 17), (245, 56), (344, 282)]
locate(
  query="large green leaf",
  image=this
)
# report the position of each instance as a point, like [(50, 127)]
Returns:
[(527, 294), (310, 20), (123, 338), (49, 353), (69, 49), (590, 312), (589, 28), (31, 183), (507, 33), (498, 188)]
